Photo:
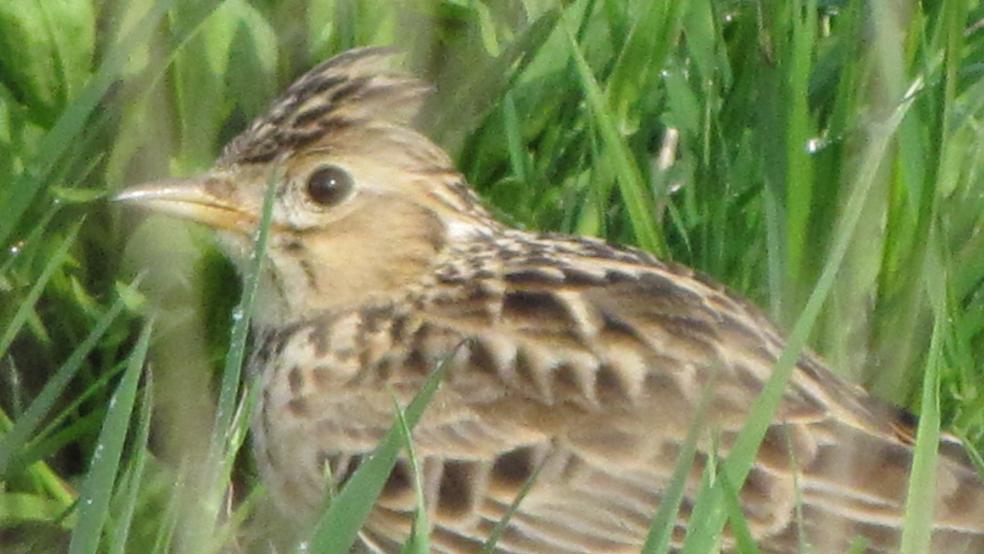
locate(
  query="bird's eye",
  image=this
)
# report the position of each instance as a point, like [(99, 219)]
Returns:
[(329, 185)]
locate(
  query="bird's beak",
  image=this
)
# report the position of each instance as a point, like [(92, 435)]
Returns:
[(200, 199)]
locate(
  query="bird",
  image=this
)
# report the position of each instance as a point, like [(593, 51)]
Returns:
[(573, 366)]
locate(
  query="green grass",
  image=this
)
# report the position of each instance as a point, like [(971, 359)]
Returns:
[(820, 157)]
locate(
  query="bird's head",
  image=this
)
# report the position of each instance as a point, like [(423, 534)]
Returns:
[(363, 204)]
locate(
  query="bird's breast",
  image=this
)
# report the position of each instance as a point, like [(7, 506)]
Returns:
[(328, 392)]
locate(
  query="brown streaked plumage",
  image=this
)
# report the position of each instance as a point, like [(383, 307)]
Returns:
[(586, 359)]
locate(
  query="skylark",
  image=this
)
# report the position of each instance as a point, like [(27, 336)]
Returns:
[(585, 360)]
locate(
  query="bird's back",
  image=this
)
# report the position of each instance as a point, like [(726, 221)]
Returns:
[(585, 366)]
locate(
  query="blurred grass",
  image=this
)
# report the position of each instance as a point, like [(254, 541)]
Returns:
[(821, 157)]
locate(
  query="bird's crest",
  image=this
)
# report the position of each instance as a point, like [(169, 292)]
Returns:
[(350, 89)]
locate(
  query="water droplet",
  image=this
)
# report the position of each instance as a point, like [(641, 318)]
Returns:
[(815, 144), (237, 315), (303, 546), (16, 248)]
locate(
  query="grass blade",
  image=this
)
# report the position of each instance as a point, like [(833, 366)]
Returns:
[(72, 123), (124, 520), (653, 35), (219, 456), (98, 485), (12, 443), (500, 526), (419, 541), (921, 494), (338, 527), (739, 525), (799, 165), (15, 507), (229, 388), (661, 529), (708, 516), (169, 516), (26, 307), (638, 201)]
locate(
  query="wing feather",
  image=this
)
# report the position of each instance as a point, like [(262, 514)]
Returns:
[(618, 348), (584, 366)]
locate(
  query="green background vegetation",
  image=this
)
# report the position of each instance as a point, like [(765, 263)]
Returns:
[(820, 157)]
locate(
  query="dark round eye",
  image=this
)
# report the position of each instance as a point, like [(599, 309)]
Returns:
[(329, 185)]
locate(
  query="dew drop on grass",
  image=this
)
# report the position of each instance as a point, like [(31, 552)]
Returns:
[(97, 453), (815, 145)]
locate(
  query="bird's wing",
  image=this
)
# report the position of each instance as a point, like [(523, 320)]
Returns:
[(588, 362)]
